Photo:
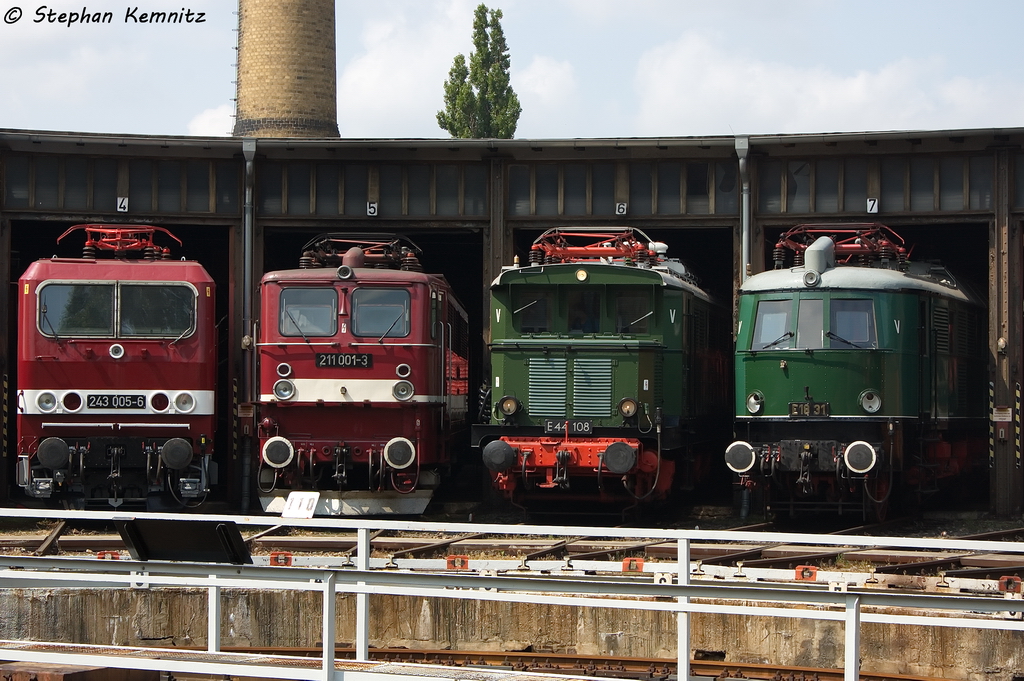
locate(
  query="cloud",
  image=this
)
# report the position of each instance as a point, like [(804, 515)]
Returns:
[(548, 93), (692, 86), (395, 82), (216, 122)]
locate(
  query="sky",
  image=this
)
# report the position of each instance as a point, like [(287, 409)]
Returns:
[(581, 68)]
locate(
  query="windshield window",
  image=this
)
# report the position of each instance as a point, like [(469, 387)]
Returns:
[(852, 324), (809, 330), (380, 313), (531, 309), (771, 326), (584, 311), (73, 310), (632, 312), (308, 312), (156, 310)]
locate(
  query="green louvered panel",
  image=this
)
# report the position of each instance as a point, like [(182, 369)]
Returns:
[(547, 386), (592, 387)]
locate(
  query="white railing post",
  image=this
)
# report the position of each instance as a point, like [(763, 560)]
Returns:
[(851, 669), (329, 627), (362, 642), (213, 617), (683, 618)]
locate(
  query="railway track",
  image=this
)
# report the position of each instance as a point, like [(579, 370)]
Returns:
[(571, 664), (480, 546)]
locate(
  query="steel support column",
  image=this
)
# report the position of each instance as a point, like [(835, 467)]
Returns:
[(1004, 304)]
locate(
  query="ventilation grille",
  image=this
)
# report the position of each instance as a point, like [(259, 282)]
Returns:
[(592, 387), (941, 326), (547, 386)]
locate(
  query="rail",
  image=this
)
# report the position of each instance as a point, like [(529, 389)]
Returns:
[(679, 594)]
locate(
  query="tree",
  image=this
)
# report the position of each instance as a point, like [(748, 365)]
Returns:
[(478, 100)]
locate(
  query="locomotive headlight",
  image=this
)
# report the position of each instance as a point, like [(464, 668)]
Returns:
[(755, 402), (284, 369), (72, 402), (184, 402), (284, 389), (46, 402), (403, 390), (870, 401), (508, 405), (582, 275), (627, 407)]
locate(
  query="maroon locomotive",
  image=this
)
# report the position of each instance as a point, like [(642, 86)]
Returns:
[(116, 374), (362, 377)]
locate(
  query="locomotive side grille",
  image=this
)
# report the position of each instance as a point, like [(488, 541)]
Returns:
[(659, 378), (963, 381), (547, 386), (592, 387), (941, 326)]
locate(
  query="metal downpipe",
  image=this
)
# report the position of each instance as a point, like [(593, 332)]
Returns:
[(248, 342), (742, 149)]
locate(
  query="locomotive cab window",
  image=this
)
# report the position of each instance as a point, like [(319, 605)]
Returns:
[(810, 334), (633, 313), (852, 324), (308, 312), (156, 310), (76, 310), (584, 311), (380, 313), (771, 326), (531, 309)]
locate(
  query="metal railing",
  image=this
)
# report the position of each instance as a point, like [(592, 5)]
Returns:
[(841, 602)]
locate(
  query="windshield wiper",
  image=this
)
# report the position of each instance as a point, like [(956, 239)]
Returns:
[(191, 322), (397, 319), (839, 338), (788, 334), (49, 323), (526, 306), (642, 318), (297, 327)]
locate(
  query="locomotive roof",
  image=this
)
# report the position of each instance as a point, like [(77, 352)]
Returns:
[(105, 269), (670, 273), (361, 274), (926, 277)]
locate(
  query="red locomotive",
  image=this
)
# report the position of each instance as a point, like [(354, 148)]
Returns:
[(116, 374), (362, 377)]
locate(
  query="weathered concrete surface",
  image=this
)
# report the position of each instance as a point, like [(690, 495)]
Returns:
[(169, 617)]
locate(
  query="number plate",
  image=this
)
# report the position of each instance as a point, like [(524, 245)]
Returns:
[(115, 401), (576, 426), (809, 409), (344, 360)]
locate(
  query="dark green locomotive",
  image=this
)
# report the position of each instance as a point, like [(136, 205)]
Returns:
[(858, 373), (608, 371)]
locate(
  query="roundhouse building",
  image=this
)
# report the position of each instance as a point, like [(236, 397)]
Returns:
[(246, 205)]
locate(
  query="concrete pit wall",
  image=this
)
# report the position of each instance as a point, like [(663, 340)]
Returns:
[(177, 617)]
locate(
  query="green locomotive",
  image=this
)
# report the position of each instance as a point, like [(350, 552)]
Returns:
[(609, 372), (859, 374)]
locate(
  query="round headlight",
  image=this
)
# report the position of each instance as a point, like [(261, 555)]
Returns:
[(46, 402), (627, 406), (116, 351), (403, 370), (184, 402), (403, 391), (159, 402), (508, 405), (72, 402), (284, 369), (755, 402), (870, 401), (284, 389), (581, 275)]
